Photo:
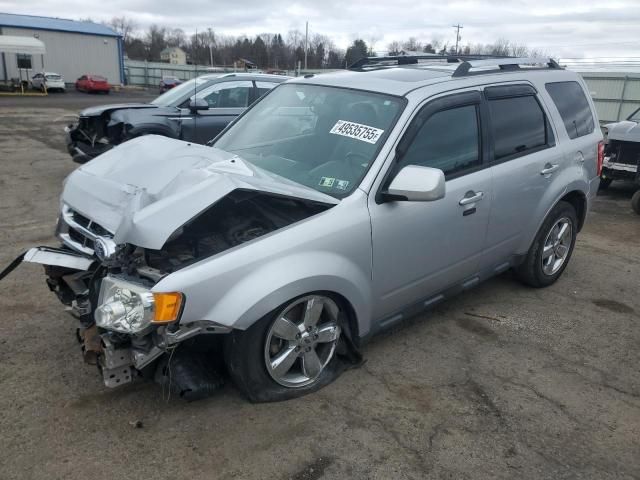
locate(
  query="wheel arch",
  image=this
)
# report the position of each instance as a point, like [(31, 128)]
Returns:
[(255, 292), (578, 199)]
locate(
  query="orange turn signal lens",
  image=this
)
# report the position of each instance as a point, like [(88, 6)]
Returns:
[(167, 307)]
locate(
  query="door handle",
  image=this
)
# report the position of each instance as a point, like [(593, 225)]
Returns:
[(471, 197), (549, 169)]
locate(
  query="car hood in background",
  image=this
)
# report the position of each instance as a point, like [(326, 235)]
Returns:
[(626, 131), (100, 109), (147, 188)]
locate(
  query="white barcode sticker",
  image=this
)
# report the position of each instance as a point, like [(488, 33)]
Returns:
[(356, 131)]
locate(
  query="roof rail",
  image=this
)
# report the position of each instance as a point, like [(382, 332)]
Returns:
[(466, 62), (502, 64), (414, 59)]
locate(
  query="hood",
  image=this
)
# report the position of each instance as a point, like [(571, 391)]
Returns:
[(625, 131), (147, 188), (100, 109)]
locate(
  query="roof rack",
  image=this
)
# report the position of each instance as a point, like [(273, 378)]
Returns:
[(466, 62), (502, 64)]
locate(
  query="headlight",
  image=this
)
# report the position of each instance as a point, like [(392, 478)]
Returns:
[(130, 308)]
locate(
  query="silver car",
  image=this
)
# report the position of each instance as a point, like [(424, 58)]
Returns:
[(337, 206)]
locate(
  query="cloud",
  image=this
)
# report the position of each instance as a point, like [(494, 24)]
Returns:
[(570, 28)]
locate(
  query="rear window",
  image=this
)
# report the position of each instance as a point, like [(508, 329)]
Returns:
[(573, 107), (98, 78), (518, 125)]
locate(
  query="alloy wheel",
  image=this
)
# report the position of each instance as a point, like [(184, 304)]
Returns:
[(557, 246), (302, 340)]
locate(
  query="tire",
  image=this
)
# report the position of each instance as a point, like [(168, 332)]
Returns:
[(542, 266), (604, 183), (635, 202), (247, 352)]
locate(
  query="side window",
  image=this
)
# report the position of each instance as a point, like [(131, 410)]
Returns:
[(448, 140), (23, 61), (573, 107), (264, 87), (228, 94), (518, 125)]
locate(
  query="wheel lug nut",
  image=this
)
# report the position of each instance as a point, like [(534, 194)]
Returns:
[(315, 337)]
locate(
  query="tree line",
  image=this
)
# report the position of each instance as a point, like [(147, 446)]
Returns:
[(277, 51)]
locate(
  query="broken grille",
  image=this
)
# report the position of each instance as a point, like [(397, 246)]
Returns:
[(80, 232)]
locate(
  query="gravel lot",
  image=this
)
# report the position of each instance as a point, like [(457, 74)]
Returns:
[(503, 382)]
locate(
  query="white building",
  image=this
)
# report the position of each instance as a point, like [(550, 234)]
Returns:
[(73, 48), (173, 55)]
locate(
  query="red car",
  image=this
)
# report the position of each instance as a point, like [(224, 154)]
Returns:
[(92, 83), (167, 83)]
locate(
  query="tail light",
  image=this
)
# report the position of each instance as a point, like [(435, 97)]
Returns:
[(600, 157)]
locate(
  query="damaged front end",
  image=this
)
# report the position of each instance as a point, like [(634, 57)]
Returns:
[(120, 239), (98, 130)]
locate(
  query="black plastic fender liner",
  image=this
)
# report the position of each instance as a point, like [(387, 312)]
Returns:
[(13, 265), (189, 374)]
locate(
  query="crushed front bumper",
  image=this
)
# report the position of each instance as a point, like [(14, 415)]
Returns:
[(80, 147)]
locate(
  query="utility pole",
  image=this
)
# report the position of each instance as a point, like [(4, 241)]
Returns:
[(306, 43), (210, 47), (457, 27)]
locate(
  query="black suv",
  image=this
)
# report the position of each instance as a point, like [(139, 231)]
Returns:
[(195, 111)]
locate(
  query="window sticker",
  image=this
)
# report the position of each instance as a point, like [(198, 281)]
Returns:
[(356, 131), (327, 182), (342, 184)]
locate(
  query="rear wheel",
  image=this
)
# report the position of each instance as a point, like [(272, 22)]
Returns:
[(552, 248), (290, 352), (635, 202)]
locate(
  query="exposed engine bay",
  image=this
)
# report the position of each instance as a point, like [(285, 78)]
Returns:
[(237, 218)]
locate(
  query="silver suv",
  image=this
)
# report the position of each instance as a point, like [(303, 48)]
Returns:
[(337, 206)]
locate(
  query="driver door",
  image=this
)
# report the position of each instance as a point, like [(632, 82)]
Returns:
[(421, 248), (226, 101)]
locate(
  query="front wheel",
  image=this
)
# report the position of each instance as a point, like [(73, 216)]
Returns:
[(290, 352), (604, 183), (552, 248)]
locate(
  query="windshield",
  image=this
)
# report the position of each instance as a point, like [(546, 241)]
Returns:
[(175, 96), (53, 77), (322, 137)]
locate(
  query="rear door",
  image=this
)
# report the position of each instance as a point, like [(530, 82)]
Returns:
[(525, 160), (226, 101)]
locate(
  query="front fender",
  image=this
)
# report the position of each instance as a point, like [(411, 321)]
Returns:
[(266, 288), (270, 285), (153, 129)]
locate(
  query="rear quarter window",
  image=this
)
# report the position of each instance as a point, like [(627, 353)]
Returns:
[(573, 106)]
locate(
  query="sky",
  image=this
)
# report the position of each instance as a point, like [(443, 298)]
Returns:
[(562, 28)]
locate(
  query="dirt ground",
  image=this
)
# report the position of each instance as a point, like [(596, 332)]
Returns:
[(504, 382)]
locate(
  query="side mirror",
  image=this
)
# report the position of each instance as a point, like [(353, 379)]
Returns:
[(198, 104), (417, 184)]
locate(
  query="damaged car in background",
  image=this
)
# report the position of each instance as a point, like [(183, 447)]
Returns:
[(622, 155), (195, 111), (335, 207)]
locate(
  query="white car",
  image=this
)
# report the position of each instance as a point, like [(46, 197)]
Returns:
[(49, 81)]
